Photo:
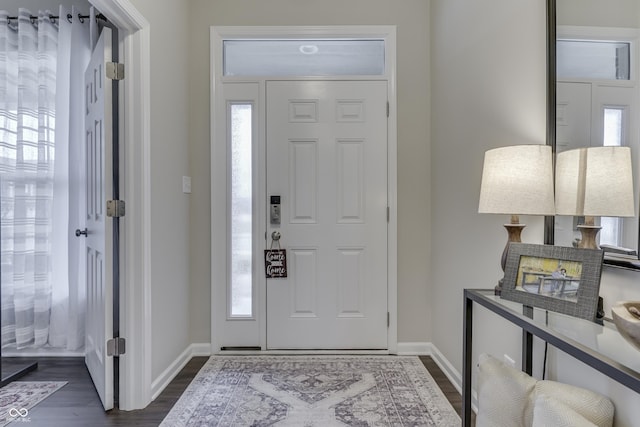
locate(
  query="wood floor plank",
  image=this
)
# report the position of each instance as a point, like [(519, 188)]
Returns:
[(77, 404)]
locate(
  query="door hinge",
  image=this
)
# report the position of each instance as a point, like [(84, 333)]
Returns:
[(388, 319), (388, 108), (115, 70), (116, 346), (115, 208)]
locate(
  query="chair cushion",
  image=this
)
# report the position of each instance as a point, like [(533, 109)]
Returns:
[(549, 412), (509, 397), (504, 394), (595, 408)]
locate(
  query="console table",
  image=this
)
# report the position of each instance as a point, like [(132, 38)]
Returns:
[(598, 346)]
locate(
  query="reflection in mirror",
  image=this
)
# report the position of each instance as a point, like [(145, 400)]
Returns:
[(597, 101), (550, 277)]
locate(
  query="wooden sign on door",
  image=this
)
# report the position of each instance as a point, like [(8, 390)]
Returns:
[(275, 263)]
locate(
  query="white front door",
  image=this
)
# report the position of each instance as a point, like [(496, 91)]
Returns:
[(99, 231), (573, 115), (573, 130), (327, 160)]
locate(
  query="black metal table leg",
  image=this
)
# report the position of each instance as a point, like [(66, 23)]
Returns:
[(467, 359)]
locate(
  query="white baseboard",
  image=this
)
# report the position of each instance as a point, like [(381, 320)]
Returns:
[(414, 349), (428, 349), (163, 380), (201, 349), (449, 370)]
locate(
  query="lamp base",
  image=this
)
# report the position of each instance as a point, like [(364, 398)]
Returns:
[(514, 231), (589, 234)]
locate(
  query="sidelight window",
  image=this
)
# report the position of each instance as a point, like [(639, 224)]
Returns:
[(240, 215), (613, 136)]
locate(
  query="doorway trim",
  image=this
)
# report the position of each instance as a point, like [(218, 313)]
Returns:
[(135, 240), (218, 162)]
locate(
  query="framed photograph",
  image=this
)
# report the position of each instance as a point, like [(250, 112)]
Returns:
[(555, 278)]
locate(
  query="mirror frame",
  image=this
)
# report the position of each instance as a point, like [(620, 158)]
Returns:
[(549, 221)]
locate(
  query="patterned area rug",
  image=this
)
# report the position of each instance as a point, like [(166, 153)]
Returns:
[(18, 397), (309, 391)]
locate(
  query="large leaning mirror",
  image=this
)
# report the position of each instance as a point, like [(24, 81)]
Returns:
[(594, 100)]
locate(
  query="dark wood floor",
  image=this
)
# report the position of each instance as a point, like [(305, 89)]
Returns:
[(77, 403)]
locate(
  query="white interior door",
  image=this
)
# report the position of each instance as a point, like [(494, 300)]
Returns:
[(99, 237), (327, 160)]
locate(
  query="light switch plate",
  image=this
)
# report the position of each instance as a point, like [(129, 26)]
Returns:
[(186, 184)]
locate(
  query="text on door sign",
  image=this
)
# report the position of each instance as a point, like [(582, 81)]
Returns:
[(275, 262)]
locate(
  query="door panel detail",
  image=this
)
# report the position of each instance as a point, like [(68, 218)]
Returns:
[(303, 294), (303, 111), (350, 282), (350, 188), (303, 157), (350, 111)]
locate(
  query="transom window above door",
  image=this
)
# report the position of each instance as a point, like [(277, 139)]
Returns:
[(594, 59), (309, 57)]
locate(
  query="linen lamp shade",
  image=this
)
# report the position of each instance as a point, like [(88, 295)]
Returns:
[(595, 181), (517, 180)]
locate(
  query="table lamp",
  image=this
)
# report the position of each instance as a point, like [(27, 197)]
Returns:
[(517, 180), (591, 182)]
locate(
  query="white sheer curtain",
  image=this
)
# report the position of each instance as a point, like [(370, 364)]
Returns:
[(41, 136), (68, 293)]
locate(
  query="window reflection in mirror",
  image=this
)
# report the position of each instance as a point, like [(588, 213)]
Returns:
[(597, 98)]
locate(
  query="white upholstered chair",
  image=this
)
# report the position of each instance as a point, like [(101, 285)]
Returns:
[(508, 397)]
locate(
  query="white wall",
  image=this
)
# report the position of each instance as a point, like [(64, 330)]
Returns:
[(488, 80), (612, 13), (489, 89), (170, 146), (411, 18)]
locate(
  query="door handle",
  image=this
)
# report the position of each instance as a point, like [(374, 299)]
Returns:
[(81, 232)]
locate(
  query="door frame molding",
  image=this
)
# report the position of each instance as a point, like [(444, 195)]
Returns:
[(218, 162), (135, 184)]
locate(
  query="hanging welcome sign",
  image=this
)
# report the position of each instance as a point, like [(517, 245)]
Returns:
[(275, 260)]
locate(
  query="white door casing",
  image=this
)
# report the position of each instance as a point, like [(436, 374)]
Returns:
[(255, 330), (327, 160), (99, 248)]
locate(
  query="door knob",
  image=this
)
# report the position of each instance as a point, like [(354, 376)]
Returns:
[(81, 232)]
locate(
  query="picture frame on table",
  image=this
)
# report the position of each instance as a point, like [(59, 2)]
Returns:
[(555, 278)]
